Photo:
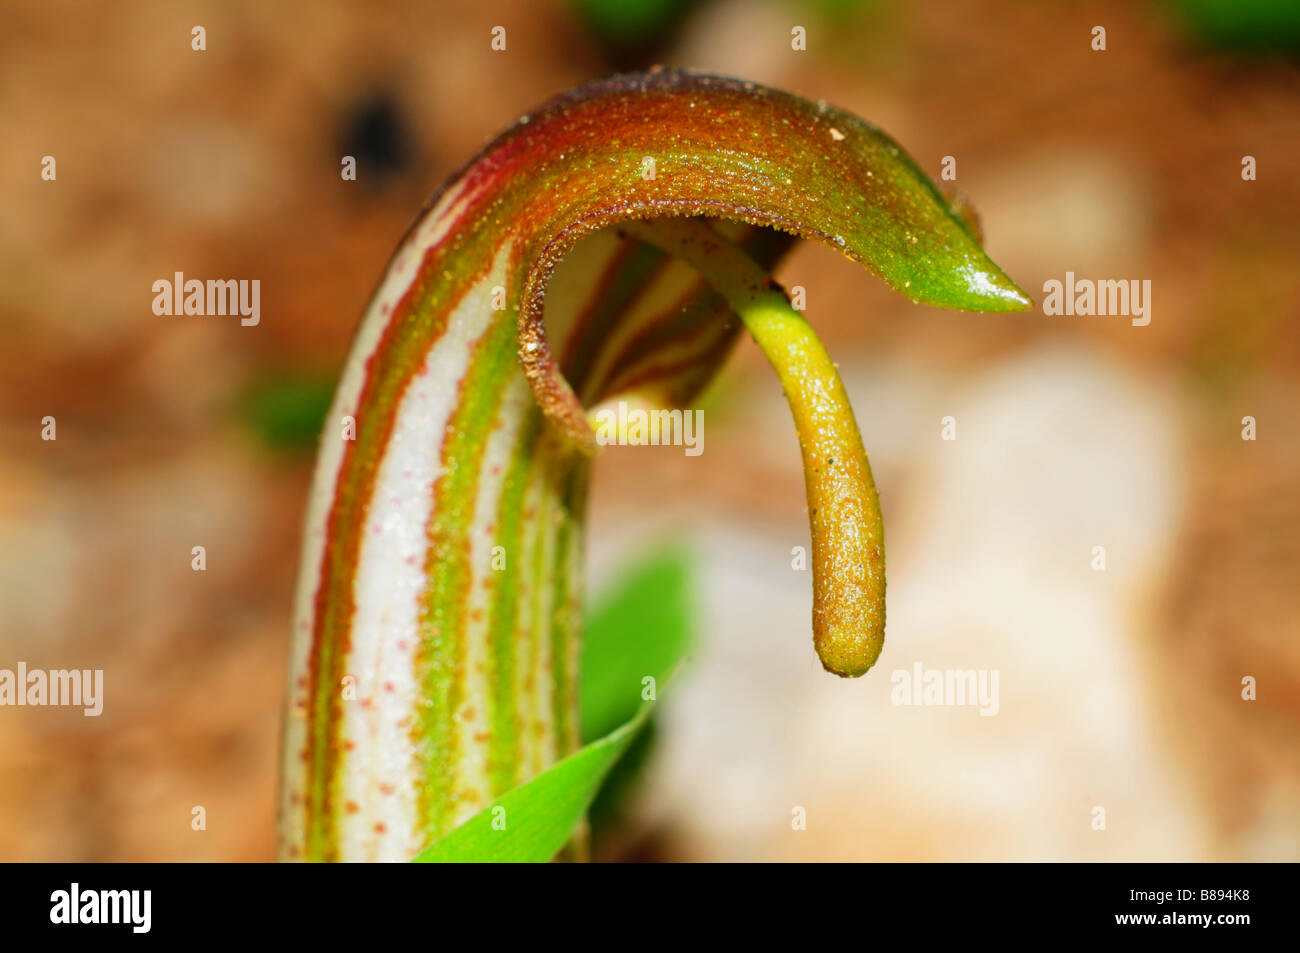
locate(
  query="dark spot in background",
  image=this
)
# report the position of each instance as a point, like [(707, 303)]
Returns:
[(375, 132)]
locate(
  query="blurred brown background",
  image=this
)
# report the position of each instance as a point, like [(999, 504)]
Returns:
[(1118, 688)]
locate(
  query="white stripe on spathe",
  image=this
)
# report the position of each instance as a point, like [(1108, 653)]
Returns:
[(389, 586), (433, 229)]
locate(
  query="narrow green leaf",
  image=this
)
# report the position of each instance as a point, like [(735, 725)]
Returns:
[(639, 628), (531, 823)]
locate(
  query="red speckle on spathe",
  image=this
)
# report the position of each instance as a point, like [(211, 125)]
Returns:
[(386, 788), (352, 807), (381, 828)]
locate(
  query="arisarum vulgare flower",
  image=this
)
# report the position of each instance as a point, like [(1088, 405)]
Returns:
[(438, 610)]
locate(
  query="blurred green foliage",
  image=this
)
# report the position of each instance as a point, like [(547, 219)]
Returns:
[(1246, 25), (631, 33), (644, 625), (634, 34), (641, 627), (286, 411)]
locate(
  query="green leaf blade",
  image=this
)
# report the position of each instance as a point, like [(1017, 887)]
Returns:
[(531, 823)]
